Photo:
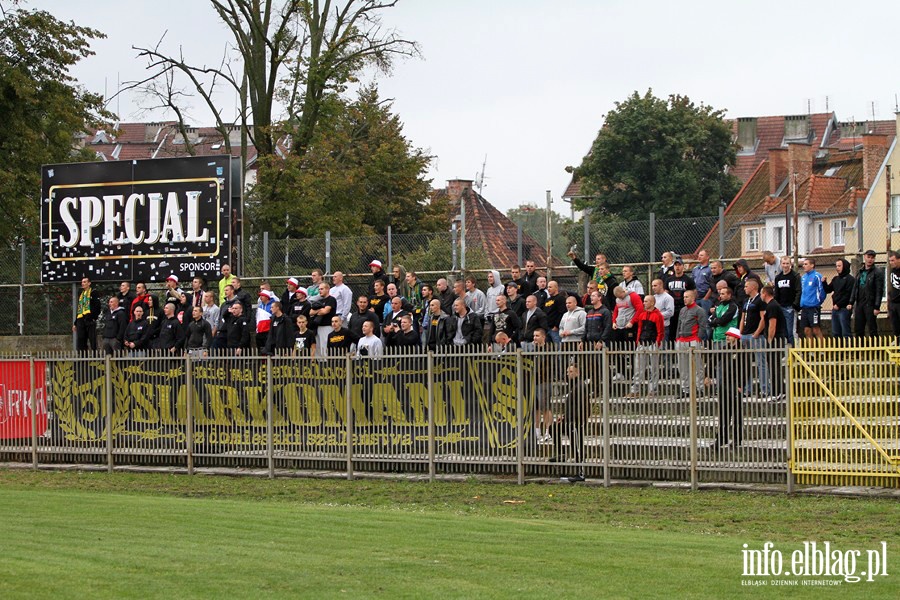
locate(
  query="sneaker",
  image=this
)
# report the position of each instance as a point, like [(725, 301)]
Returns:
[(777, 398), (618, 377), (574, 479)]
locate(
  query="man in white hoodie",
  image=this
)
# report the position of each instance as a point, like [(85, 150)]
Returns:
[(571, 327)]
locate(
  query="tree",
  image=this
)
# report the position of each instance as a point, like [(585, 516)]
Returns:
[(663, 156), (292, 52), (359, 175), (43, 108)]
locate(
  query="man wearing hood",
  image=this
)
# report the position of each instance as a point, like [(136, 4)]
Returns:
[(841, 290), (787, 293), (867, 295), (743, 273)]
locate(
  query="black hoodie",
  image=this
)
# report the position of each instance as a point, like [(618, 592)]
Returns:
[(841, 286)]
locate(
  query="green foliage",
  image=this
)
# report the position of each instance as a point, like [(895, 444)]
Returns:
[(43, 109), (662, 156), (359, 175)]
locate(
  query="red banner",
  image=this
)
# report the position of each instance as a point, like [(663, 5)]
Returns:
[(15, 399)]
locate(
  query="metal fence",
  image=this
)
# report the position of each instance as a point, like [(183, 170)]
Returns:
[(607, 414)]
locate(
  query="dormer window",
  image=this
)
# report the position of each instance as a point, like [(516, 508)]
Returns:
[(746, 137)]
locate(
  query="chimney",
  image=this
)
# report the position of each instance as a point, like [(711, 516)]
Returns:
[(874, 151), (800, 160), (456, 187), (778, 168)]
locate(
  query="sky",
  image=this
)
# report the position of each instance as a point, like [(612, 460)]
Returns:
[(525, 84)]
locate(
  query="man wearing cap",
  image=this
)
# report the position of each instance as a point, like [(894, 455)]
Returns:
[(378, 274), (298, 305), (293, 284), (515, 302), (264, 316), (173, 292), (868, 292)]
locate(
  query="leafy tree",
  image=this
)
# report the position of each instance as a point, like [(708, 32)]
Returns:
[(359, 175), (662, 156), (292, 53), (43, 110)]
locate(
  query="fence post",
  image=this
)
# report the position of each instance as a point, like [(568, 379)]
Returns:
[(652, 237), (22, 288), (692, 360), (33, 396), (109, 411), (270, 424), (328, 252), (721, 231), (860, 238), (587, 236), (348, 393), (74, 313), (265, 272), (431, 469), (519, 243), (189, 401), (788, 362), (520, 419), (452, 245), (390, 250), (606, 445)]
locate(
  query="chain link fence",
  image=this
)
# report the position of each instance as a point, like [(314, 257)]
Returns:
[(33, 308)]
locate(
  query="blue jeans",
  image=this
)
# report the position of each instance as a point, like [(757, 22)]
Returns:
[(762, 366), (790, 322), (554, 336), (840, 323)]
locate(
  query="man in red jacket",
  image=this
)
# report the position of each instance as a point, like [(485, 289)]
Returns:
[(650, 334)]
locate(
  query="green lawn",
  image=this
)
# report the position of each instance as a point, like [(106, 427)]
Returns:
[(143, 535)]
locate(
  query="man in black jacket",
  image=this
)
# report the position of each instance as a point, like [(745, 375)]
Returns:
[(237, 334), (505, 320), (787, 293), (378, 274), (199, 334), (867, 295), (533, 318), (841, 289), (114, 327), (894, 293), (137, 333), (281, 333), (464, 327), (85, 325), (436, 329), (171, 333), (360, 314), (126, 297)]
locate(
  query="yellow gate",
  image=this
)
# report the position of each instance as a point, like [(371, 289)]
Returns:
[(845, 412)]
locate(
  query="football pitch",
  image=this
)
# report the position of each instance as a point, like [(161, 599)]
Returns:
[(76, 535)]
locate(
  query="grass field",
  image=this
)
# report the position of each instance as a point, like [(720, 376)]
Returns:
[(79, 535)]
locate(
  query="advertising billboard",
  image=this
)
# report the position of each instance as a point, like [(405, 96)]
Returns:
[(136, 220)]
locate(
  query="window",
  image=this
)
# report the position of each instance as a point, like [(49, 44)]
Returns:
[(819, 235), (895, 213), (778, 241), (837, 232), (753, 240)]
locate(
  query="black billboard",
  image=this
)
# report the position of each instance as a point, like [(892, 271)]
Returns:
[(136, 220)]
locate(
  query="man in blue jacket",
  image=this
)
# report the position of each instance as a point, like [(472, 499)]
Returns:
[(812, 294)]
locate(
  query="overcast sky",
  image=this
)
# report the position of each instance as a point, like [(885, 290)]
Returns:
[(527, 83)]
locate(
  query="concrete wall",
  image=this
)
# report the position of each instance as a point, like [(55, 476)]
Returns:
[(29, 344)]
